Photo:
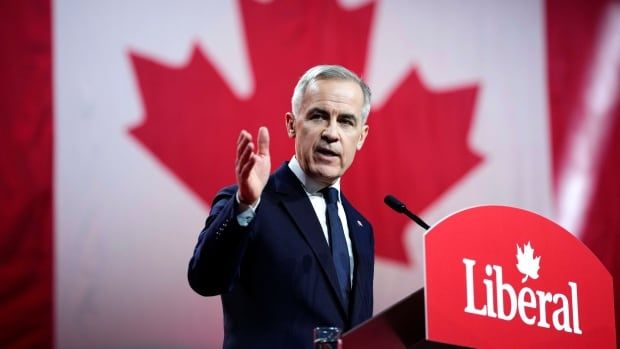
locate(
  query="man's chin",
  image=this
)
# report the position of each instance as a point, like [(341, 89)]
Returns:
[(327, 175)]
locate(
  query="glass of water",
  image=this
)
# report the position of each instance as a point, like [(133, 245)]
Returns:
[(327, 338)]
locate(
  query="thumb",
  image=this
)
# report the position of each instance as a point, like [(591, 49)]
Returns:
[(263, 141)]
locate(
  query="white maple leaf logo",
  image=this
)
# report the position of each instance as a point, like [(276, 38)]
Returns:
[(526, 263)]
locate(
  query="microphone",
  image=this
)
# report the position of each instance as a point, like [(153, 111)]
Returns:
[(399, 207)]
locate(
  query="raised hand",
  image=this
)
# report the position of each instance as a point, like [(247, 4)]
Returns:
[(252, 169)]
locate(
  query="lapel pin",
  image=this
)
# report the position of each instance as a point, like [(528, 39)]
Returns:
[(359, 223)]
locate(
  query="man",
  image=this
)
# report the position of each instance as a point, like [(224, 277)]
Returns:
[(288, 252)]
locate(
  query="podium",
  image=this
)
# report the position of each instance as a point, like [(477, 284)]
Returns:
[(499, 277)]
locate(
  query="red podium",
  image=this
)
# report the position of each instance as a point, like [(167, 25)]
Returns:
[(499, 277)]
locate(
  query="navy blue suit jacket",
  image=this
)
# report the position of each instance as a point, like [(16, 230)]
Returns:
[(276, 276)]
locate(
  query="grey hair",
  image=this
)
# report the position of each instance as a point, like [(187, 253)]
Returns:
[(329, 72)]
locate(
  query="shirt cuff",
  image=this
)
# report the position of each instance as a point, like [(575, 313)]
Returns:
[(246, 212)]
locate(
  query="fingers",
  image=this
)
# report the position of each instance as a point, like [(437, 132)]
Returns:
[(245, 156), (245, 151), (263, 141), (246, 168), (252, 167), (244, 138), (245, 147)]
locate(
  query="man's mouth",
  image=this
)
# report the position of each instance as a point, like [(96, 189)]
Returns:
[(326, 152)]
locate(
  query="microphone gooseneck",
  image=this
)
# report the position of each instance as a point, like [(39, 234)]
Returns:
[(399, 207)]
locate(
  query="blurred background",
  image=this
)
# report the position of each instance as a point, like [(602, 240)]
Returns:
[(118, 122)]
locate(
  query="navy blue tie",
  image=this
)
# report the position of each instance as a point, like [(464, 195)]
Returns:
[(338, 243)]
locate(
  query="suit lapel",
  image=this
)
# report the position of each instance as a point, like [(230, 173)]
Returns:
[(357, 230), (298, 206)]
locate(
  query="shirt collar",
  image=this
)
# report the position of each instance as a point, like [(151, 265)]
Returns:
[(311, 186)]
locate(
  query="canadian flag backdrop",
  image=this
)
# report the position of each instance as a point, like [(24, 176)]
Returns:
[(119, 121)]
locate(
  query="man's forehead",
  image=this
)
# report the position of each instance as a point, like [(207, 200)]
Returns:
[(335, 93)]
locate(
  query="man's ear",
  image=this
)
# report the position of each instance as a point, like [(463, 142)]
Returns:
[(290, 125), (363, 136)]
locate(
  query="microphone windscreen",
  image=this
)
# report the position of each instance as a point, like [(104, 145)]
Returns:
[(394, 203)]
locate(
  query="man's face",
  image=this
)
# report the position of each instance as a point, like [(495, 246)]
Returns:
[(329, 130)]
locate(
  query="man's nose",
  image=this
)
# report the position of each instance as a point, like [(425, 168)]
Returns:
[(330, 133)]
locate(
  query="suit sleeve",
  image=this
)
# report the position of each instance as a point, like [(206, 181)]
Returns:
[(372, 269), (218, 254)]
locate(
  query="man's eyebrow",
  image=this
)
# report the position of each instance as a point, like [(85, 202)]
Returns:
[(317, 110), (322, 111)]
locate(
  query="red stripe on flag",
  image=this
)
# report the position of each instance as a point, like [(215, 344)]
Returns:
[(574, 34), (26, 147)]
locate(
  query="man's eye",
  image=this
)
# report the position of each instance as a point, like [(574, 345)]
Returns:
[(348, 122)]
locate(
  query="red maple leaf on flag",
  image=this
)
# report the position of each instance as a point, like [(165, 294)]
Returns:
[(417, 145)]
